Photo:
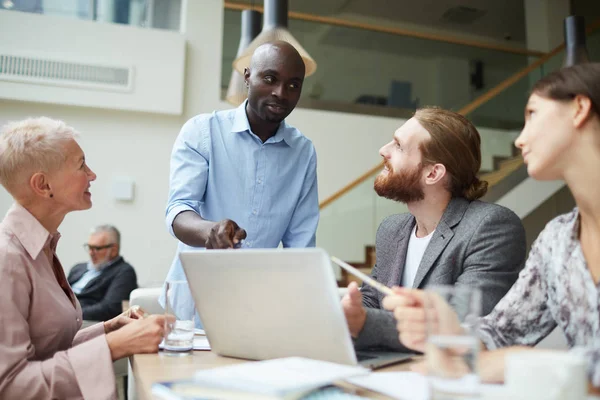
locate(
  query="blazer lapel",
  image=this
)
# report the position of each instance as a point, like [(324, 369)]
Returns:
[(77, 274), (441, 237), (107, 273), (403, 236), (438, 243)]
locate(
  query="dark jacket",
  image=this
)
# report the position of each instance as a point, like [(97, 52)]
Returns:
[(101, 299)]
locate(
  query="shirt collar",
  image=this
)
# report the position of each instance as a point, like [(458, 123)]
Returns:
[(241, 124), (30, 232)]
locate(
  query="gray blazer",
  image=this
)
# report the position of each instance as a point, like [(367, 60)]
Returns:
[(475, 244)]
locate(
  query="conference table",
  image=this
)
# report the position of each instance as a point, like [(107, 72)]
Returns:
[(151, 368)]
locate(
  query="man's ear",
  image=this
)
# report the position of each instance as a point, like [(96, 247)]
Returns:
[(40, 185), (246, 75), (435, 173), (583, 110)]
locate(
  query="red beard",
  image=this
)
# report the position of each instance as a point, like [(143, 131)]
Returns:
[(404, 186)]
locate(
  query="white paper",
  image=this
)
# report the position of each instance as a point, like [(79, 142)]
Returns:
[(279, 375), (200, 343), (398, 385)]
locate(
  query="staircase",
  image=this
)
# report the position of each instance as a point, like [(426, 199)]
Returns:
[(350, 217)]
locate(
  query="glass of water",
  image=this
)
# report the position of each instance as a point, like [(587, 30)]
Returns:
[(452, 314), (179, 324)]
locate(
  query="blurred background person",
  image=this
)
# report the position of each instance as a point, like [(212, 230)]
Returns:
[(102, 283)]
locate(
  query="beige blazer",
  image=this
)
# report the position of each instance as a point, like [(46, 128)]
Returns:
[(43, 355)]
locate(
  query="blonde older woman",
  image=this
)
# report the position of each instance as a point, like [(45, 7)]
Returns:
[(43, 354)]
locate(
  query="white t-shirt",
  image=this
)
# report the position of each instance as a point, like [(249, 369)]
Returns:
[(414, 255)]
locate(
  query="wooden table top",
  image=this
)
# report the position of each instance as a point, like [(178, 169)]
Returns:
[(151, 368)]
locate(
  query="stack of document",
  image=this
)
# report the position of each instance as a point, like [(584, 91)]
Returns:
[(284, 378)]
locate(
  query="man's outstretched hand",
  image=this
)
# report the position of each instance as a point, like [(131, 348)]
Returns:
[(225, 234)]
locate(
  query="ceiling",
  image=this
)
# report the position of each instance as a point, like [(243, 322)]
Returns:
[(495, 19)]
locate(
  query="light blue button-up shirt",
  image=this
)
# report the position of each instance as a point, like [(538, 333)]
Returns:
[(91, 273), (221, 170)]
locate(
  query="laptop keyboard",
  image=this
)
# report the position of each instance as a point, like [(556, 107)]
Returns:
[(364, 356)]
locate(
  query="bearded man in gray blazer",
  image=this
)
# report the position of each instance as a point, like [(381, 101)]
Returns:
[(448, 236)]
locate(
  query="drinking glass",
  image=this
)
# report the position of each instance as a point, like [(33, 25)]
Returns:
[(179, 324), (452, 314)]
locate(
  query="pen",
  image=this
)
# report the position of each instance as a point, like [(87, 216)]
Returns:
[(367, 279)]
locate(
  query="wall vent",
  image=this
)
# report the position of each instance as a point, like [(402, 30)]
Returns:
[(41, 70)]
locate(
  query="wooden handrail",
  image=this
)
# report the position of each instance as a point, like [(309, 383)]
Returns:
[(484, 98), (394, 31), (351, 185), (502, 86)]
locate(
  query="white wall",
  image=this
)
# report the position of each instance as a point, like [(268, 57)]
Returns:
[(136, 144), (116, 143), (157, 60)]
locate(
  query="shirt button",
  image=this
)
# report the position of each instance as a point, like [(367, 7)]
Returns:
[(259, 181), (254, 212), (77, 319)]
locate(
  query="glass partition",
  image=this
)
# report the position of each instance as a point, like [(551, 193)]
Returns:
[(361, 70), (160, 14), (350, 223), (507, 108)]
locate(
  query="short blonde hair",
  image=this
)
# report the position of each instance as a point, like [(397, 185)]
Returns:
[(29, 146)]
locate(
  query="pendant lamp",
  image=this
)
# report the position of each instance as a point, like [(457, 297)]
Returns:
[(575, 49), (237, 91), (275, 24)]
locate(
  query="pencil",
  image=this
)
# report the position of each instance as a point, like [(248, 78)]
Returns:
[(367, 279)]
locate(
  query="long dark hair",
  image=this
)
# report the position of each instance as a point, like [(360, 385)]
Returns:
[(566, 83)]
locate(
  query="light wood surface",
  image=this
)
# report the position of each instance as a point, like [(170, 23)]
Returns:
[(151, 368), (394, 31)]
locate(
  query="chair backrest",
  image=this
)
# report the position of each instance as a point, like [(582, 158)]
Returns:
[(147, 298)]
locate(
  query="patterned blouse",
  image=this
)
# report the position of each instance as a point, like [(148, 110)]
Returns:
[(554, 289)]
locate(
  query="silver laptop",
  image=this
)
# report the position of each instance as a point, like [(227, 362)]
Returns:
[(264, 304)]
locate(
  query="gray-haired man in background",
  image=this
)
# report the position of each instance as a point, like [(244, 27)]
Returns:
[(102, 283)]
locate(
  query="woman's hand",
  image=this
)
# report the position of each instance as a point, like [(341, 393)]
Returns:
[(408, 306), (138, 336), (418, 313), (133, 313)]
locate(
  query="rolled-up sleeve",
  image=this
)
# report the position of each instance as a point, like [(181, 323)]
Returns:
[(189, 170), (83, 371)]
